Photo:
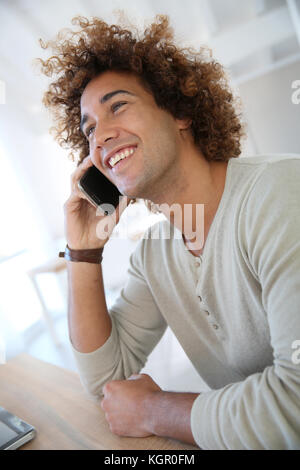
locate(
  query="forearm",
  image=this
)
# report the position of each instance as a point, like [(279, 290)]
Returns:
[(170, 415), (88, 317)]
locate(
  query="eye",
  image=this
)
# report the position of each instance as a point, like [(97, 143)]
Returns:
[(88, 132), (117, 105)]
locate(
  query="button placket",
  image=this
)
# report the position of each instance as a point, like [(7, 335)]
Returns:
[(215, 326), (210, 317)]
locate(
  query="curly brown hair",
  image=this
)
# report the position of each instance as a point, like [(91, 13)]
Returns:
[(187, 83)]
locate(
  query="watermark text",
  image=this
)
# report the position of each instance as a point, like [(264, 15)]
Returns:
[(296, 93), (296, 354), (188, 219)]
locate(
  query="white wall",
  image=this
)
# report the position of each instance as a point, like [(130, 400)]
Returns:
[(273, 118)]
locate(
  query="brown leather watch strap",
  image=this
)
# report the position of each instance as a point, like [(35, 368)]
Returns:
[(86, 256)]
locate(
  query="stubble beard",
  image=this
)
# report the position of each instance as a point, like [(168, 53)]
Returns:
[(157, 181)]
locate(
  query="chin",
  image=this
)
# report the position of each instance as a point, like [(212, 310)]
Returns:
[(139, 190), (132, 193)]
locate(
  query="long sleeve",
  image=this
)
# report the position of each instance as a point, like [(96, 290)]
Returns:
[(137, 326), (263, 411)]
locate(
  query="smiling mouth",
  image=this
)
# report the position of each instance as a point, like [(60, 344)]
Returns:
[(121, 155)]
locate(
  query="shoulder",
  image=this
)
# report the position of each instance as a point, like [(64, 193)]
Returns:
[(257, 177), (270, 220), (279, 180)]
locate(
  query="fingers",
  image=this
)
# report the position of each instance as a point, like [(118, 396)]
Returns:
[(78, 194)]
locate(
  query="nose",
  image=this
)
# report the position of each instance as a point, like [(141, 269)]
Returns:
[(104, 133)]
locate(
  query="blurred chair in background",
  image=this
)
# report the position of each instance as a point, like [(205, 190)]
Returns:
[(54, 266)]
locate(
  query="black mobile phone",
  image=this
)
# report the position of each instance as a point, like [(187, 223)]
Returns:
[(99, 190), (14, 432)]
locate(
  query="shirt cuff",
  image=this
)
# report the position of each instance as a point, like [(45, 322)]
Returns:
[(204, 428)]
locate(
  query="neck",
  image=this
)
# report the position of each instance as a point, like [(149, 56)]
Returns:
[(192, 197)]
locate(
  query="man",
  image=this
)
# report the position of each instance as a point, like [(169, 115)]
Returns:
[(232, 300)]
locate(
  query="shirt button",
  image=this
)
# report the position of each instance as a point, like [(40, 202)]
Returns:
[(215, 327), (197, 264), (207, 313)]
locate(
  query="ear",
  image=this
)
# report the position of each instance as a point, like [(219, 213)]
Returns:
[(183, 124)]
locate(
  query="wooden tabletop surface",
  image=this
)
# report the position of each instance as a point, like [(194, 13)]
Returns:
[(52, 400)]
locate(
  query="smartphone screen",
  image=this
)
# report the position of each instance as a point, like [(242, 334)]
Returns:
[(98, 188)]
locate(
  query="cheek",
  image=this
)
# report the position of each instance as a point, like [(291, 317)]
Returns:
[(133, 124), (96, 157), (93, 155)]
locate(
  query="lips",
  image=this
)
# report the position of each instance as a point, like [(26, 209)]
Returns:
[(115, 151)]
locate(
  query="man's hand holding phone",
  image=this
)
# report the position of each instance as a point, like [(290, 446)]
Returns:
[(84, 223)]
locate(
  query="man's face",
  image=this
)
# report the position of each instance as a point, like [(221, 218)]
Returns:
[(118, 114)]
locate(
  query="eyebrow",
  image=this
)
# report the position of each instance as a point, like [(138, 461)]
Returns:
[(103, 100)]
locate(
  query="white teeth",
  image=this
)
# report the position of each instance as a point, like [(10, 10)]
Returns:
[(120, 156)]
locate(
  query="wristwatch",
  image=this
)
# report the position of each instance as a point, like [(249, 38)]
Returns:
[(87, 256)]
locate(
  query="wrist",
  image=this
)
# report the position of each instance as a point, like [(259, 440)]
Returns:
[(151, 408), (91, 255), (86, 246), (169, 415)]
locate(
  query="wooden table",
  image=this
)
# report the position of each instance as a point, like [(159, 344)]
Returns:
[(52, 399)]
